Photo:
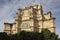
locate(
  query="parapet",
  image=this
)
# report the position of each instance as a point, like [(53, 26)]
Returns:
[(36, 6)]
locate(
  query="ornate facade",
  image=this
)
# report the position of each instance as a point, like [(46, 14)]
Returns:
[(31, 19)]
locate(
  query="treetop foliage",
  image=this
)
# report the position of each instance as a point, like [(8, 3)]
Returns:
[(45, 34)]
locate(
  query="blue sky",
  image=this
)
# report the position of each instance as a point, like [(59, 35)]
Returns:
[(8, 9)]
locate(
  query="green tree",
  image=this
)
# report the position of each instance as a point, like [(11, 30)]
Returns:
[(23, 35), (48, 35), (53, 36), (4, 36)]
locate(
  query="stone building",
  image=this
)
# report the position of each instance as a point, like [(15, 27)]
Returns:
[(31, 19)]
